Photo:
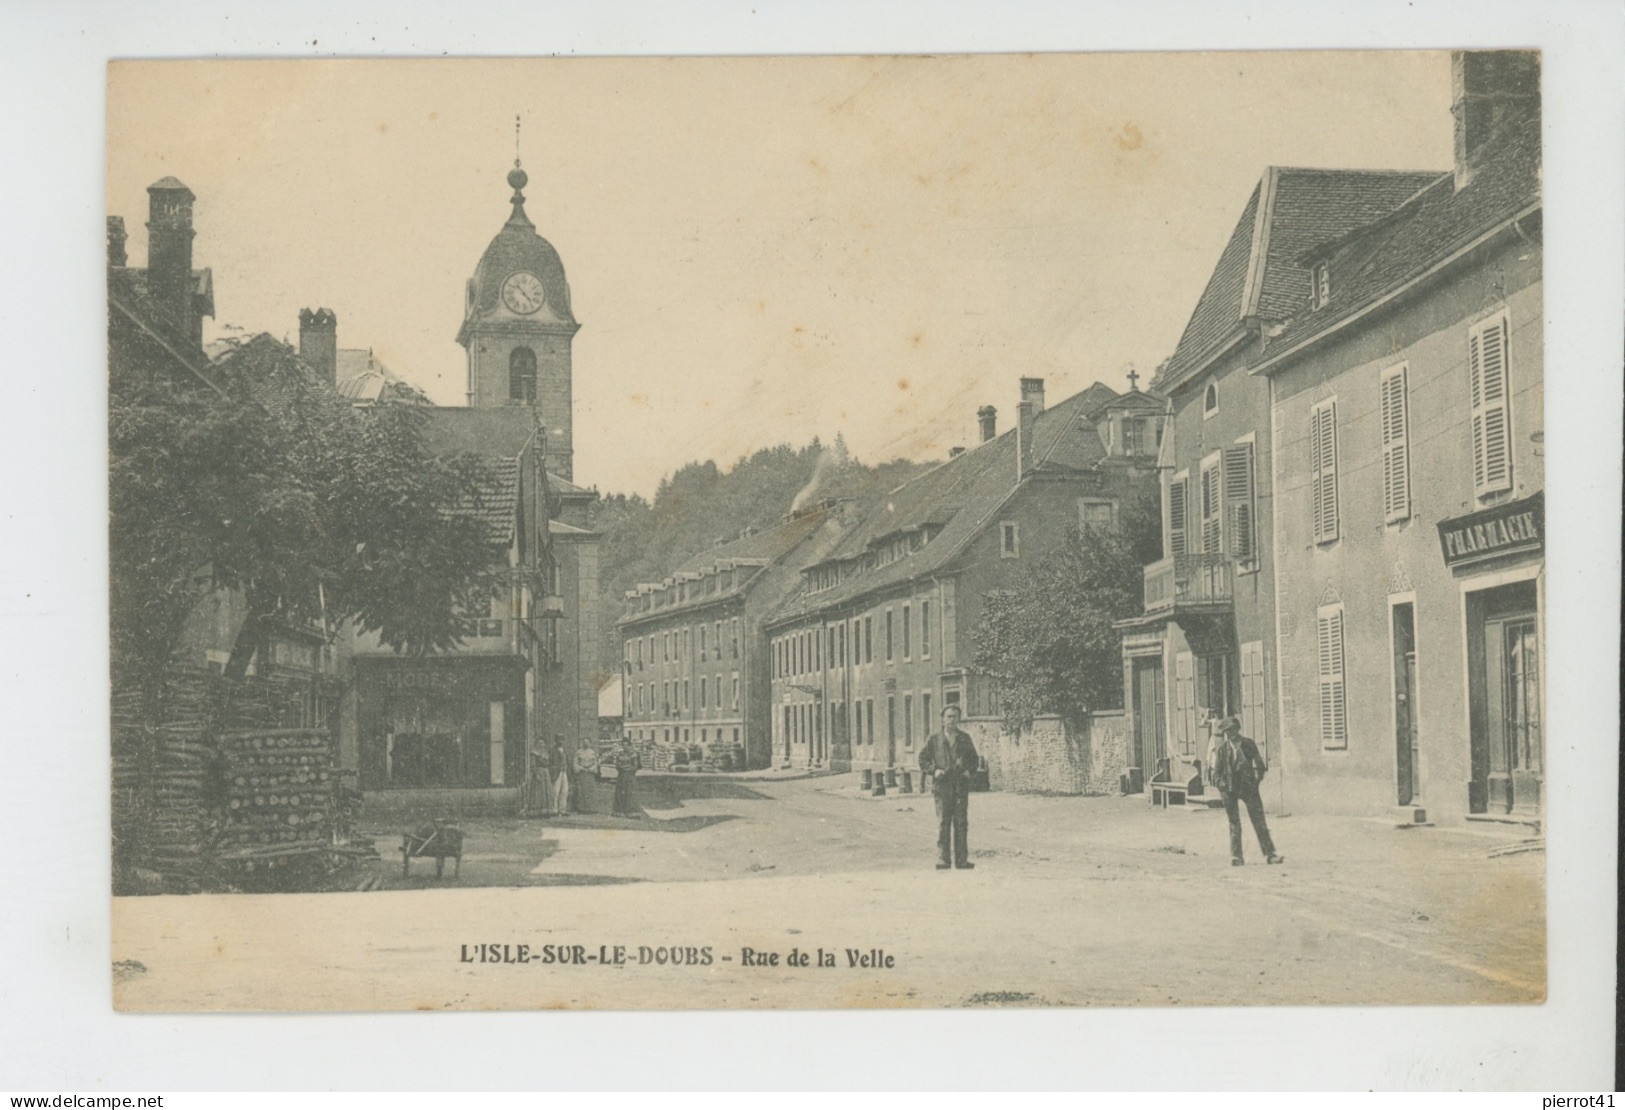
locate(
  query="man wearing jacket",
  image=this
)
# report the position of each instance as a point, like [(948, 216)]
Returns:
[(1237, 770), (947, 762)]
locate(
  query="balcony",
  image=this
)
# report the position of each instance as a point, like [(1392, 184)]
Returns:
[(1189, 583)]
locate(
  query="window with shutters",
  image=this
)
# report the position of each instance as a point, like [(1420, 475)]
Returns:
[(1210, 505), (1333, 697), (1393, 405), (1323, 471), (1491, 418), (1178, 508), (1239, 504)]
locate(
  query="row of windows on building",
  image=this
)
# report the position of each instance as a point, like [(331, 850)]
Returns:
[(673, 735), (1225, 493), (811, 651), (675, 645), (665, 698), (804, 723)]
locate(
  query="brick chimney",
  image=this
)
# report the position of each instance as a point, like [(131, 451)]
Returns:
[(1494, 91), (319, 342), (955, 452), (986, 416), (116, 237), (1032, 389), (1026, 417), (169, 254)]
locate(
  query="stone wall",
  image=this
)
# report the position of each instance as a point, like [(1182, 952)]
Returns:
[(1051, 757)]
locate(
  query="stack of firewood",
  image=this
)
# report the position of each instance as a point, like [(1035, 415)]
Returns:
[(277, 795)]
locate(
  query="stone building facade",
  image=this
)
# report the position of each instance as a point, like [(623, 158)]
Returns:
[(693, 647), (1203, 648), (1408, 413), (878, 637)]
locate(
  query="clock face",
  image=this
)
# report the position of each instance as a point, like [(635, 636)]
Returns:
[(523, 293)]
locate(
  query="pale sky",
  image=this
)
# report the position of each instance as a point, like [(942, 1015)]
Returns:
[(758, 249)]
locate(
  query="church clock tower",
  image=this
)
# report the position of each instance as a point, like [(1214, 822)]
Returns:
[(517, 329)]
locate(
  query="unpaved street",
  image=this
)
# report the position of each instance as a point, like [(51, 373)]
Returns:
[(1074, 901)]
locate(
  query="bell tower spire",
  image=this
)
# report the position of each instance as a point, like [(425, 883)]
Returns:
[(518, 327), (517, 180)]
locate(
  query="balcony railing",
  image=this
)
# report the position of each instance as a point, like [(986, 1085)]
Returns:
[(1188, 580)]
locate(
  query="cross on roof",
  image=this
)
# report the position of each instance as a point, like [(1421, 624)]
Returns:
[(1133, 379)]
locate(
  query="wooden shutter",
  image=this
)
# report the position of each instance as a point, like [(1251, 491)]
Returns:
[(1238, 501), (1323, 470), (1185, 702), (1333, 697), (1178, 507), (1396, 456), (1212, 520), (1252, 692), (1492, 423)]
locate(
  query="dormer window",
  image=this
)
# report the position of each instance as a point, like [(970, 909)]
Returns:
[(1321, 285), (1210, 400)]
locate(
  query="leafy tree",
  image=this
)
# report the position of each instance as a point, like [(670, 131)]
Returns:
[(1048, 642), (278, 488)]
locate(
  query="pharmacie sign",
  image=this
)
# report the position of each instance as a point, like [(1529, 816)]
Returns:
[(1513, 528)]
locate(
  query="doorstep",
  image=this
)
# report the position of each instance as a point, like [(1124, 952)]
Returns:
[(1504, 819)]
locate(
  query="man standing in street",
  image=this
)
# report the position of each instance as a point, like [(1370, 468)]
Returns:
[(947, 762), (626, 773), (1237, 770)]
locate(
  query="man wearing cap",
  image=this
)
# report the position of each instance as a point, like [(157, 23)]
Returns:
[(1237, 770), (947, 762)]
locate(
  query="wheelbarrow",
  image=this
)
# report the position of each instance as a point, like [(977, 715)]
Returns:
[(437, 840)]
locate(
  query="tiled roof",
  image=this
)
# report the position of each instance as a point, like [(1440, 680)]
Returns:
[(765, 547), (495, 433), (768, 545), (496, 502), (1429, 228), (960, 495), (1260, 272)]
